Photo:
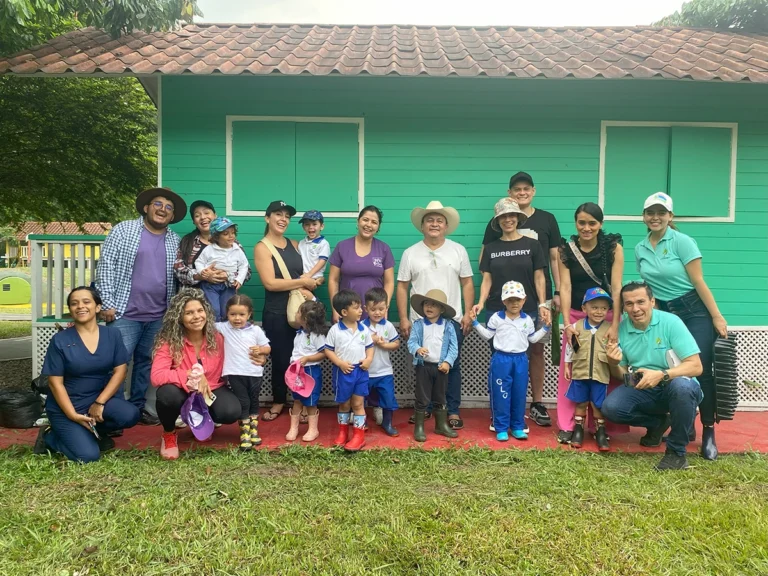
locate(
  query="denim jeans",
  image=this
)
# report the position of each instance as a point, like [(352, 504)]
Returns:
[(453, 392), (691, 310), (138, 338), (679, 397)]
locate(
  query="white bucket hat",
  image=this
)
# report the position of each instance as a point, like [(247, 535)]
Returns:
[(508, 206), (451, 215), (512, 289), (658, 199)]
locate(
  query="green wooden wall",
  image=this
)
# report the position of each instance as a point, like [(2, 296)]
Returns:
[(459, 140)]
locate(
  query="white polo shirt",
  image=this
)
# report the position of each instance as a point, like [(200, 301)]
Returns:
[(307, 344), (237, 342), (433, 339), (382, 364), (511, 336), (313, 250), (443, 269), (349, 345)]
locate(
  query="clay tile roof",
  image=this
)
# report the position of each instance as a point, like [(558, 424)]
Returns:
[(69, 228), (292, 49)]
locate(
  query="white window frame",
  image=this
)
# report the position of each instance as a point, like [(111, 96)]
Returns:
[(315, 119), (734, 127)]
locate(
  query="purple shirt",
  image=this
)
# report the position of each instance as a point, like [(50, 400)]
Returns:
[(361, 273), (149, 299)]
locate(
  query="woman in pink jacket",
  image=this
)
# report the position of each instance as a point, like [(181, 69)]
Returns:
[(188, 337)]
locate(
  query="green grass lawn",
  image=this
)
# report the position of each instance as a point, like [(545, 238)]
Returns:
[(14, 329), (313, 511)]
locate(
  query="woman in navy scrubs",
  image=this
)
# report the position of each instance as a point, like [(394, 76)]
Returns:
[(85, 365)]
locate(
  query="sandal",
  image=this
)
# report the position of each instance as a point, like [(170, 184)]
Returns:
[(270, 415), (456, 423)]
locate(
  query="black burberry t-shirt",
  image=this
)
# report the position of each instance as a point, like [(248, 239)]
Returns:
[(541, 226), (512, 260)]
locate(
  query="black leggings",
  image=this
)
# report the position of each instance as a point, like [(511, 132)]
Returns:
[(170, 398), (247, 389), (281, 337)]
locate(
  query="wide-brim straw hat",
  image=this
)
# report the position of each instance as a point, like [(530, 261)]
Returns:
[(508, 206), (451, 215), (417, 302), (179, 206)]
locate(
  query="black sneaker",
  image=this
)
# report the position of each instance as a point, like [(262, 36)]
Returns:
[(654, 435), (540, 415), (427, 416), (148, 420), (672, 461), (115, 433), (106, 443), (40, 447)]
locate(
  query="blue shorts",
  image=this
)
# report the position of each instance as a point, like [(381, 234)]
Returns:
[(384, 386), (316, 372), (580, 391), (347, 385)]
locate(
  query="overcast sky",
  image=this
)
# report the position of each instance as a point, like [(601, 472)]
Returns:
[(442, 12)]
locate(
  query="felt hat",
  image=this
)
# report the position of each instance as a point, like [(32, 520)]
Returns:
[(297, 379), (451, 215), (417, 302), (194, 413), (179, 206)]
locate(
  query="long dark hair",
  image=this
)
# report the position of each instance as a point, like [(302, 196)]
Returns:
[(606, 243), (188, 240)]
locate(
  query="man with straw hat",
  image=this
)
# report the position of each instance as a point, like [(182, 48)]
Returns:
[(435, 262)]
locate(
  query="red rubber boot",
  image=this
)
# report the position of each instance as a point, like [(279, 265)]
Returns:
[(358, 440)]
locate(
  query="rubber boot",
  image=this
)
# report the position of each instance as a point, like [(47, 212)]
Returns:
[(245, 436), (602, 438), (293, 431), (255, 438), (441, 424), (578, 435), (418, 426), (312, 431), (358, 435), (386, 423), (708, 446), (341, 437)]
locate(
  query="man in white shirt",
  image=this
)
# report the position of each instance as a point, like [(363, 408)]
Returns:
[(436, 262)]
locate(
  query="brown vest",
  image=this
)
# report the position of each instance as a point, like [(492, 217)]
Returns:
[(591, 361)]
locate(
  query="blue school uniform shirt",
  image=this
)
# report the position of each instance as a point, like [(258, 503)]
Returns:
[(85, 374)]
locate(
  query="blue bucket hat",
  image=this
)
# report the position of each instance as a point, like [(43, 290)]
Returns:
[(312, 215), (594, 294), (220, 224)]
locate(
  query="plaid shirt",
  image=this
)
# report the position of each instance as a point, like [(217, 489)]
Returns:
[(115, 268), (185, 270)]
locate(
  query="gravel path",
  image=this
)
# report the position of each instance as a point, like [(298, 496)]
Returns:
[(16, 374)]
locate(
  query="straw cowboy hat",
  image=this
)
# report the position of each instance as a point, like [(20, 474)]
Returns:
[(417, 302), (451, 215)]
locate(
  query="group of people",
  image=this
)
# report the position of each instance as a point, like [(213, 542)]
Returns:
[(651, 369)]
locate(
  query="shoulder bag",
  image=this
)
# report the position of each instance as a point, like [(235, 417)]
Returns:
[(295, 297), (587, 268)]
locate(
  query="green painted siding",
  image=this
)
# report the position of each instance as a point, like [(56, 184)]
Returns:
[(459, 140)]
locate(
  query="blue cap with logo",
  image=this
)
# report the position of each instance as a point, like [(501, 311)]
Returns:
[(220, 224), (312, 215), (596, 293)]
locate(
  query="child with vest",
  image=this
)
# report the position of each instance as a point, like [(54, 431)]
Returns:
[(512, 331), (586, 366), (434, 346)]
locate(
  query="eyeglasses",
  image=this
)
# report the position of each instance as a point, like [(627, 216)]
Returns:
[(159, 206)]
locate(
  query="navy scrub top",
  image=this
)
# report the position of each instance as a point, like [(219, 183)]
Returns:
[(85, 374)]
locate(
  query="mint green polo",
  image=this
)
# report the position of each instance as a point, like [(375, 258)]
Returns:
[(664, 268), (648, 348)]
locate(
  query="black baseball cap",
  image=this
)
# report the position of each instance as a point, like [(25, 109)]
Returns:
[(276, 205), (520, 176), (201, 203)]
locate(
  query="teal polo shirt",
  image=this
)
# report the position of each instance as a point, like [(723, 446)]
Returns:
[(663, 268), (648, 348)]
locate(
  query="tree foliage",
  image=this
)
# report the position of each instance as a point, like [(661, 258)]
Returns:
[(74, 149), (741, 15)]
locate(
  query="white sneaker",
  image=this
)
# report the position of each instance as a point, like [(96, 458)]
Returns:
[(180, 423), (378, 415)]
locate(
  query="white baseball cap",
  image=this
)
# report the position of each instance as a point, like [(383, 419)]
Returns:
[(512, 289), (658, 199)]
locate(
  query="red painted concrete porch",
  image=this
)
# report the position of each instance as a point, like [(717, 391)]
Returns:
[(747, 433)]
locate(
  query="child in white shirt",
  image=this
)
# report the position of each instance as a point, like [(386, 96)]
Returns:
[(511, 331), (243, 376), (314, 248), (227, 255)]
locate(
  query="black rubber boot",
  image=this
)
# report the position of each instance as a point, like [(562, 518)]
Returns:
[(577, 438), (441, 424), (418, 426), (708, 446), (602, 439)]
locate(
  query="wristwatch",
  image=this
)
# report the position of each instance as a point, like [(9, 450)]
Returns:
[(665, 377)]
